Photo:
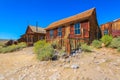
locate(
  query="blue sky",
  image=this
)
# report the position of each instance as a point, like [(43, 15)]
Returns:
[(15, 15)]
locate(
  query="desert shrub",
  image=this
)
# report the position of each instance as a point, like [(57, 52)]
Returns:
[(62, 51), (106, 39), (8, 49), (57, 44), (2, 44), (115, 43), (86, 48), (72, 44), (43, 50), (118, 49), (12, 48), (38, 45), (54, 44), (97, 44), (22, 45)]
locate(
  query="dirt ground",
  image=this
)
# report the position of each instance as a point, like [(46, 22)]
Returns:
[(101, 64)]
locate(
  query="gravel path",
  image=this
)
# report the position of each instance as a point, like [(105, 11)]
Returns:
[(102, 64)]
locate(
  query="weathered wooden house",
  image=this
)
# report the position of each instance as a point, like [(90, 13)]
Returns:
[(106, 28), (111, 28), (32, 35), (80, 27)]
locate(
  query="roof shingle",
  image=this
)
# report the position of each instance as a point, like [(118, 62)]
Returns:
[(37, 29), (79, 16)]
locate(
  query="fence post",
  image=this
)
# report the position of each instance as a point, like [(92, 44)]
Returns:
[(68, 47)]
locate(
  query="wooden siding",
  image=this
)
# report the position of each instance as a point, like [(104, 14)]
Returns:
[(55, 33), (108, 27), (63, 32), (112, 27), (116, 29), (31, 37), (88, 31), (84, 30)]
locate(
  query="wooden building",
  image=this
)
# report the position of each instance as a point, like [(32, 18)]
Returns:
[(32, 35), (111, 28), (80, 27)]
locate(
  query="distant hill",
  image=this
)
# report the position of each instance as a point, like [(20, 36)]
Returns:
[(4, 39)]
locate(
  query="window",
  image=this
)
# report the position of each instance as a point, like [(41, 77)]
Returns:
[(41, 37), (105, 32), (77, 28), (60, 31), (51, 33)]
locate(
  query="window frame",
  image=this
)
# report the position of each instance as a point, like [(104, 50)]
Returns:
[(59, 31), (77, 28), (106, 31), (51, 33)]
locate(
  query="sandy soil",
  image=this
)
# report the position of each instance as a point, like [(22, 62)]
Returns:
[(101, 64)]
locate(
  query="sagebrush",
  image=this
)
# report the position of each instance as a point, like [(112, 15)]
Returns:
[(12, 47), (106, 39), (118, 49), (43, 50), (86, 48), (115, 43), (97, 44)]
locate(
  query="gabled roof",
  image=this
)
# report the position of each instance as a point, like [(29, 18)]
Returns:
[(80, 16), (37, 29), (106, 23), (117, 20), (112, 22)]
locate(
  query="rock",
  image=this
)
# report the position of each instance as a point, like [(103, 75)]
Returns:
[(76, 52), (98, 69), (73, 54), (100, 61), (21, 77), (2, 77), (12, 79), (68, 60), (66, 66), (80, 51), (55, 76), (62, 59), (55, 57), (106, 78), (75, 66), (103, 45)]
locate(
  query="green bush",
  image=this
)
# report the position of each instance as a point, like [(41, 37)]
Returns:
[(72, 44), (8, 49), (115, 43), (12, 48), (54, 44), (57, 44), (86, 48), (106, 39), (22, 45), (43, 50), (39, 45), (118, 49), (2, 44), (97, 44), (62, 51)]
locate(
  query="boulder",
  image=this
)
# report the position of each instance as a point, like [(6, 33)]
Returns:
[(75, 66), (2, 77)]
